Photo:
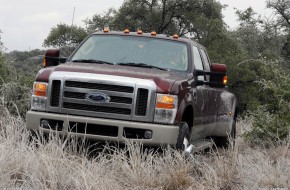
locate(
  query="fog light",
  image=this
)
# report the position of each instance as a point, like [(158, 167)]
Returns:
[(147, 134), (44, 124)]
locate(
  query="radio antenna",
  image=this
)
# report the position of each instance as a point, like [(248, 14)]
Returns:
[(72, 23)]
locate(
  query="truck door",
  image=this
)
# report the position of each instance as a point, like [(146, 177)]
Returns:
[(212, 92), (205, 113), (200, 100)]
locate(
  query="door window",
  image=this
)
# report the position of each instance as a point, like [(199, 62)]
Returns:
[(206, 62), (197, 61)]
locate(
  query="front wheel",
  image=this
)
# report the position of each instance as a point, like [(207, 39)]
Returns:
[(183, 140)]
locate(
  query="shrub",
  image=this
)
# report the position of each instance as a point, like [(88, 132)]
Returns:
[(271, 121)]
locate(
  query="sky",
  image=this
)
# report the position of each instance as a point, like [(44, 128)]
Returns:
[(26, 23)]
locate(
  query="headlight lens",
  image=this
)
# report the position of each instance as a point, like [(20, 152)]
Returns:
[(39, 89), (166, 108), (38, 100)]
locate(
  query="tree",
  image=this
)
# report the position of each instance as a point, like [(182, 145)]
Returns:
[(3, 66), (282, 9), (197, 18), (99, 21), (64, 35)]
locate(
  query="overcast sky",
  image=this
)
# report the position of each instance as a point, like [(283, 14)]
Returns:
[(26, 23)]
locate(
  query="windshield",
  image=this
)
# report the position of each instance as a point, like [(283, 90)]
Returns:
[(130, 50)]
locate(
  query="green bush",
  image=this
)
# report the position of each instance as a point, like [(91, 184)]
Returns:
[(17, 74), (271, 121)]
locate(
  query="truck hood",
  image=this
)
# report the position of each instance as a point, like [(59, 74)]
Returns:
[(164, 80)]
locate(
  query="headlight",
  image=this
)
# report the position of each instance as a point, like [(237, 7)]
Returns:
[(39, 89), (166, 108), (38, 100)]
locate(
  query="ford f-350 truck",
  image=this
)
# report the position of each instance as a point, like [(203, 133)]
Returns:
[(150, 88)]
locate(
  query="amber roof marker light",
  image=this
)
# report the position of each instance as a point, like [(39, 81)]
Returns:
[(106, 29), (175, 36), (126, 31), (139, 32), (153, 33)]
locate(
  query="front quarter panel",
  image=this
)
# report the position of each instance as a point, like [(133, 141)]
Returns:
[(184, 90)]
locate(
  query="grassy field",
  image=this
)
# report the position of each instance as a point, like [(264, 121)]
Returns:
[(60, 164)]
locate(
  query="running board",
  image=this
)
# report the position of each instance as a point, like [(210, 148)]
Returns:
[(197, 147)]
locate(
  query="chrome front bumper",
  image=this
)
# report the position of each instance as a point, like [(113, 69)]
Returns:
[(161, 134)]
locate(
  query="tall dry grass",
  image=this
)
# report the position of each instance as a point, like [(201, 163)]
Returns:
[(60, 164)]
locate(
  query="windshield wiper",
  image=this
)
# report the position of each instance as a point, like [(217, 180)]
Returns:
[(91, 61), (142, 65)]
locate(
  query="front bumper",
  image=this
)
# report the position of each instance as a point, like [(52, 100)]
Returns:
[(161, 134)]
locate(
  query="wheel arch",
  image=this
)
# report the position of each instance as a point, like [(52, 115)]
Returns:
[(188, 116)]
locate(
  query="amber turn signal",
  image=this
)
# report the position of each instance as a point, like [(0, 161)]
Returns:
[(44, 63), (165, 101), (225, 80), (164, 106), (40, 89)]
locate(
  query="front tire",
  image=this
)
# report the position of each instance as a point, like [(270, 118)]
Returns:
[(183, 140)]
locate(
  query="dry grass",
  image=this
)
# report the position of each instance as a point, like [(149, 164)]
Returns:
[(59, 164)]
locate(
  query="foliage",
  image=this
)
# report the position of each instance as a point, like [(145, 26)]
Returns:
[(282, 10), (3, 67), (64, 35), (17, 72), (197, 18), (255, 41), (271, 121)]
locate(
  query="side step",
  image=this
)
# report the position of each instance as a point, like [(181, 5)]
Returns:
[(199, 146)]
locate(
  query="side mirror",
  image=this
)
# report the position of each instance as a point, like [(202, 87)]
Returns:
[(218, 76), (51, 58)]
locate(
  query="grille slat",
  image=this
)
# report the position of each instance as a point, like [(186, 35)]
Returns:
[(99, 86), (55, 92), (93, 108), (115, 99), (141, 103)]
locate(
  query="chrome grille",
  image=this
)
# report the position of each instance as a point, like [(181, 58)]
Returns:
[(128, 98), (74, 97)]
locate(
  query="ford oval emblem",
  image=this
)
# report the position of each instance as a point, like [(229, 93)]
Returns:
[(96, 97)]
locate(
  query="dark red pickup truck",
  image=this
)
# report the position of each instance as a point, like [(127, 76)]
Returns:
[(154, 89)]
